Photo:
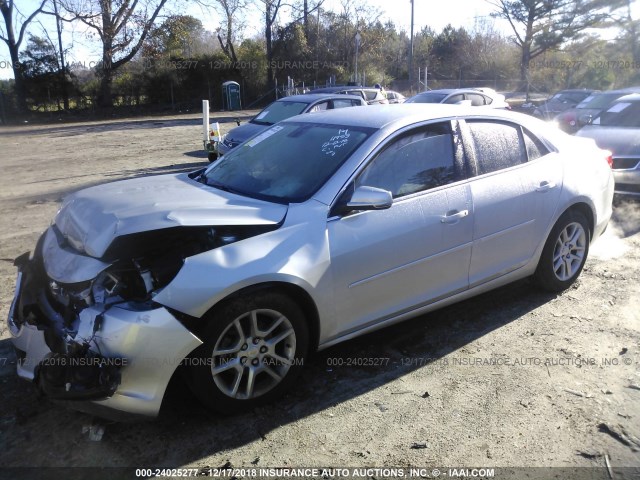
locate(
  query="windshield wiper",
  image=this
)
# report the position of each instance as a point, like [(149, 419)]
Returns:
[(260, 122), (223, 187)]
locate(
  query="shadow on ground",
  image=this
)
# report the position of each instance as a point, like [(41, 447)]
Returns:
[(112, 126), (185, 432)]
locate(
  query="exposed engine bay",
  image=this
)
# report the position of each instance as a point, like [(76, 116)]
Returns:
[(72, 315)]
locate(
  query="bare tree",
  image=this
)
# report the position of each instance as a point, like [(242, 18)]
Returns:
[(270, 10), (121, 26), (542, 25), (630, 27), (15, 26), (230, 10)]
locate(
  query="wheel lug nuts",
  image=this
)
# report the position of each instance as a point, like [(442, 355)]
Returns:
[(243, 360), (255, 361), (263, 349), (245, 346), (256, 341)]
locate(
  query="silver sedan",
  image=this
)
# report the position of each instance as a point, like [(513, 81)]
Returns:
[(319, 229)]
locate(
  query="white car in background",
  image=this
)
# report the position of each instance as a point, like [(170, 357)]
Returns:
[(476, 97)]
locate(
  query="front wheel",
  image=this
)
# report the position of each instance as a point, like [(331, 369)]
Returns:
[(564, 253), (254, 347)]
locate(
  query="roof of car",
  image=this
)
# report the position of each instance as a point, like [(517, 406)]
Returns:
[(312, 97), (379, 116), (447, 91), (577, 90), (624, 90), (632, 97), (341, 89)]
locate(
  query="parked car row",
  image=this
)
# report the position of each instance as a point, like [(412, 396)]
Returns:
[(459, 96), (284, 108), (617, 129), (330, 98), (574, 117)]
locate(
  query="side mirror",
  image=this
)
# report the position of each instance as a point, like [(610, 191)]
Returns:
[(370, 198), (237, 121)]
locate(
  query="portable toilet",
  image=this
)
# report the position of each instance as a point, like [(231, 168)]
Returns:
[(231, 96)]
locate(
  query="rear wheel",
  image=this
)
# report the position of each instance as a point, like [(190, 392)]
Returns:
[(253, 349), (564, 253)]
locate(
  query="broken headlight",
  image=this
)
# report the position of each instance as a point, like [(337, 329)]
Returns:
[(147, 261)]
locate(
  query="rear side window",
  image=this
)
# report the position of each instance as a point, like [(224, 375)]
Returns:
[(418, 160), (319, 107), (459, 97), (535, 148), (359, 93), (371, 94), (347, 102), (477, 100), (497, 145)]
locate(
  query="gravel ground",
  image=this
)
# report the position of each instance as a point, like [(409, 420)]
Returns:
[(512, 378)]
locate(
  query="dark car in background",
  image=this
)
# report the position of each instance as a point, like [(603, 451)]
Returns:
[(618, 130), (459, 96), (373, 96), (574, 119), (561, 102), (284, 108)]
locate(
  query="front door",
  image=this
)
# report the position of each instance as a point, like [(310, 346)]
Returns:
[(391, 261)]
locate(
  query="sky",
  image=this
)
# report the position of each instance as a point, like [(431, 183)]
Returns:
[(426, 12)]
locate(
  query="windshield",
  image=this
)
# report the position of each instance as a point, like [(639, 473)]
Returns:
[(598, 100), (278, 111), (428, 98), (620, 114), (287, 163), (569, 97)]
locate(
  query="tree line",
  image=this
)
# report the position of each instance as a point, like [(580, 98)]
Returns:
[(154, 57)]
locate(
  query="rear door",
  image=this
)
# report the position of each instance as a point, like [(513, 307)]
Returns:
[(513, 198)]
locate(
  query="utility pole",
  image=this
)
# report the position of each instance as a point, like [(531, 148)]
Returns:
[(358, 38), (411, 53)]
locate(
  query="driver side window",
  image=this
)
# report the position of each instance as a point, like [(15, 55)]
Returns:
[(416, 161)]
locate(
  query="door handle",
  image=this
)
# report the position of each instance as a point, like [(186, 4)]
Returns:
[(454, 216), (545, 186)]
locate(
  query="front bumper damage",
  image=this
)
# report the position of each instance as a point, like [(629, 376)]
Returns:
[(116, 357)]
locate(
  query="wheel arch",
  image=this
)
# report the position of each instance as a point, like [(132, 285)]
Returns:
[(295, 293), (587, 210)]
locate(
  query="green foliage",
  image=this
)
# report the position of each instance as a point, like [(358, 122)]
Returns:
[(44, 83), (181, 63)]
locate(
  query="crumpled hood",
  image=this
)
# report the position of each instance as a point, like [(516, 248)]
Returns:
[(620, 141), (92, 218)]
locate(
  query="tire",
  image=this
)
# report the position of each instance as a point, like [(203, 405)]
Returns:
[(254, 348), (212, 156), (564, 253)]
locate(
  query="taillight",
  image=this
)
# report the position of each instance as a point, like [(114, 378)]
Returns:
[(609, 158)]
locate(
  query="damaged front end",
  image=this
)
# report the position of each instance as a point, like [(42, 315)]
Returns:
[(62, 363), (89, 329)]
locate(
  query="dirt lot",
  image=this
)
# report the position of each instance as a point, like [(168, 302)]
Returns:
[(514, 378)]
